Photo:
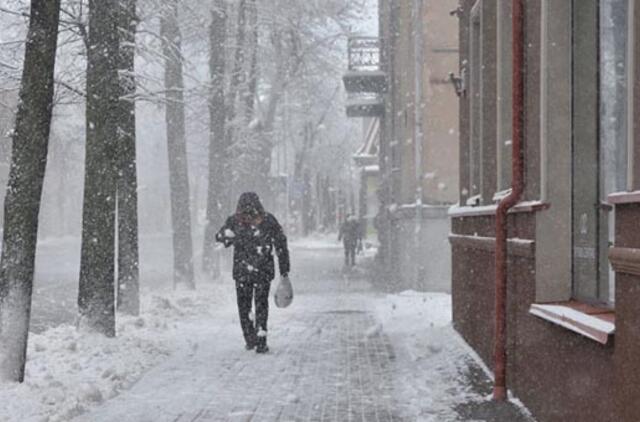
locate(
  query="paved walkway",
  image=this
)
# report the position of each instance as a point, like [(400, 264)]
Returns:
[(326, 373), (329, 362)]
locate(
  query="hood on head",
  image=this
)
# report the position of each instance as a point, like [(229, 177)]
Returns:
[(249, 204)]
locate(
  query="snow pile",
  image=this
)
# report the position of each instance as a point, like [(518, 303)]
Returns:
[(69, 372), (430, 356)]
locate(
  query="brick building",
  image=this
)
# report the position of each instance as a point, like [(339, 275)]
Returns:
[(572, 315)]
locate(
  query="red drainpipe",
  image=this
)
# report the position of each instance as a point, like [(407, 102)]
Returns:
[(517, 168)]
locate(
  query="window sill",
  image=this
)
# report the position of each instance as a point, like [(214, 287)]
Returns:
[(524, 248), (595, 323), (489, 210), (619, 198)]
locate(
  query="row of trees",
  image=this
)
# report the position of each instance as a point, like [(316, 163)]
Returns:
[(26, 177), (258, 53), (110, 176)]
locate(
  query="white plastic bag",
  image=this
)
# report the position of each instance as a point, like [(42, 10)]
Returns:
[(284, 293)]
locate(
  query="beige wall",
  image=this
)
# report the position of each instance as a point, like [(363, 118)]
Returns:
[(439, 102), (553, 230), (440, 150), (403, 98)]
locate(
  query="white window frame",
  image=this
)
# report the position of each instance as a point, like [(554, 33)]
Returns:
[(475, 151), (631, 75), (551, 285), (503, 23)]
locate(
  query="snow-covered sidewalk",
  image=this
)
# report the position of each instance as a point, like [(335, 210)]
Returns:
[(69, 373), (341, 352), (317, 241)]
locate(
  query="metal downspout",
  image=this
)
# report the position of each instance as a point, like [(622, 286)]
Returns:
[(517, 167)]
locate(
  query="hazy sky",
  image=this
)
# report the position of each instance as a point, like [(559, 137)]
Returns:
[(369, 25)]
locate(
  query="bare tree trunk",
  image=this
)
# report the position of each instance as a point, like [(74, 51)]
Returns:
[(252, 79), (288, 63), (252, 153), (237, 79), (62, 186), (96, 294), (218, 152), (128, 254), (177, 148), (307, 204), (26, 177)]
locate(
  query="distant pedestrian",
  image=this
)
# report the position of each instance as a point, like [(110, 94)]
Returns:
[(351, 236), (255, 234)]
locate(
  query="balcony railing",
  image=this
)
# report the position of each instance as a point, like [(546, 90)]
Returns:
[(365, 74), (364, 54)]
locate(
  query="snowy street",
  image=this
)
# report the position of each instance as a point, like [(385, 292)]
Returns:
[(310, 211), (320, 366), (344, 351)]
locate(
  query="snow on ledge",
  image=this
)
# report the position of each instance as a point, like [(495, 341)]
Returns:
[(463, 211), (618, 198), (579, 322), (487, 210)]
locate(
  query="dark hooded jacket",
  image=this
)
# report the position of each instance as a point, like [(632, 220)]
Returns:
[(255, 234), (350, 233)]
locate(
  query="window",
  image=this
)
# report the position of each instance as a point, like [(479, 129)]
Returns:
[(584, 97), (613, 119), (599, 139), (613, 98)]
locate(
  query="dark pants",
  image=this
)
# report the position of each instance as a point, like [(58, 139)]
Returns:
[(350, 254), (247, 292)]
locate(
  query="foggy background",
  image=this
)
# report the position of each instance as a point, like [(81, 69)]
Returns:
[(314, 96)]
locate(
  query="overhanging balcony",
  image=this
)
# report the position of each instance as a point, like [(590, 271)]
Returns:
[(365, 74), (365, 105), (365, 81)]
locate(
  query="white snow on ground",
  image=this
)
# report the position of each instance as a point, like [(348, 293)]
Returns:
[(430, 355), (317, 241), (180, 335), (68, 372)]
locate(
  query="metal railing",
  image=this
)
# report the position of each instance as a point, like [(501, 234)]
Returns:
[(365, 53)]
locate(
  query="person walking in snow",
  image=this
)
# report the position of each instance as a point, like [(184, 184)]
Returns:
[(351, 237), (254, 234)]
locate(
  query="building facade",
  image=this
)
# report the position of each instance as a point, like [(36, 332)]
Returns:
[(419, 149), (573, 279), (367, 159)]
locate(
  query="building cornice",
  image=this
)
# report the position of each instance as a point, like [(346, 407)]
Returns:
[(625, 260)]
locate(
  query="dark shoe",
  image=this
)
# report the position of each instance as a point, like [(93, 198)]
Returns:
[(251, 343), (262, 348), (261, 344)]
